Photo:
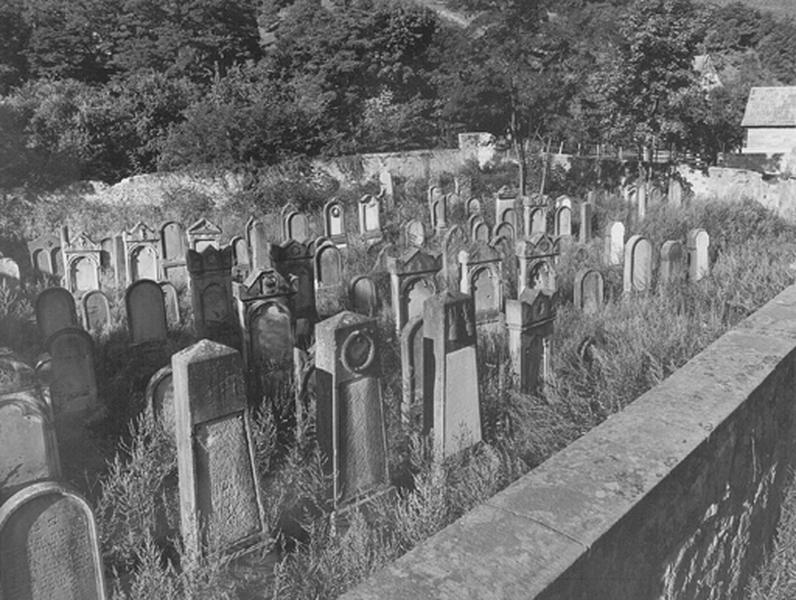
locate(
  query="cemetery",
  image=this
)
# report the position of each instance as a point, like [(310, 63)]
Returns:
[(248, 403)]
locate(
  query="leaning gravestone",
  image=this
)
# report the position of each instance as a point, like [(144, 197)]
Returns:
[(451, 372), (412, 410), (146, 312), (55, 310), (160, 398), (220, 505), (638, 265), (49, 546), (589, 295), (96, 311), (350, 421)]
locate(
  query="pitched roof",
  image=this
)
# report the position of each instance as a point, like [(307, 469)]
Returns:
[(770, 107)]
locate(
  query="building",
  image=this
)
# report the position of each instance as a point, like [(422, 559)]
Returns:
[(770, 120)]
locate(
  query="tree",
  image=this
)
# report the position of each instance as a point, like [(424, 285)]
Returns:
[(14, 36)]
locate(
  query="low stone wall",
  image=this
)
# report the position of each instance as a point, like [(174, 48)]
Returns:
[(675, 497)]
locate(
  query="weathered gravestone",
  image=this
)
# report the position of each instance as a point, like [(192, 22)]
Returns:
[(412, 280), (73, 381), (672, 268), (220, 505), (479, 230), (55, 310), (364, 296), (586, 215), (171, 300), (334, 222), (529, 321), (159, 397), (481, 278), (142, 252), (9, 273), (173, 246), (563, 221), (203, 234), (473, 207), (641, 199), (638, 265), (211, 292), (698, 259), (453, 242), (438, 209), (295, 225), (146, 312), (241, 261), (329, 279), (267, 326), (415, 233), (450, 372), (83, 262), (257, 237), (350, 418), (535, 257), (96, 311), (506, 208), (49, 546), (614, 242), (675, 192), (589, 294), (504, 230), (387, 186), (412, 408), (294, 262), (45, 253), (369, 211)]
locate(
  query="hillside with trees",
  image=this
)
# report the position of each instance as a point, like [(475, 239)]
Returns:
[(94, 89)]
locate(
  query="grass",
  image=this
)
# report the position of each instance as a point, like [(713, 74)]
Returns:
[(631, 345)]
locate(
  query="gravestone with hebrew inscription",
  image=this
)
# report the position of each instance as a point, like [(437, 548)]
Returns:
[(412, 281), (211, 292), (96, 311), (146, 312), (589, 294), (350, 415), (173, 245), (450, 373), (55, 310), (638, 265), (672, 264), (698, 242), (481, 278), (529, 321), (220, 504), (73, 379), (49, 547)]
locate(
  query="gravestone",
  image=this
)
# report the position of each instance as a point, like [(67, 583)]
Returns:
[(171, 301), (43, 251), (119, 261), (589, 294), (55, 310), (529, 321), (506, 208), (478, 229), (107, 254), (675, 193), (142, 252), (266, 322), (364, 296), (203, 234), (638, 265), (334, 222), (220, 505), (159, 397), (96, 311), (369, 211), (412, 280), (49, 546), (504, 230), (73, 380), (329, 280), (586, 216), (350, 416), (453, 242), (27, 435), (16, 375), (672, 268), (438, 209), (535, 257), (450, 373), (294, 262), (415, 233), (173, 245), (412, 408), (641, 199), (9, 273), (698, 260), (210, 272), (481, 278), (258, 243), (241, 262), (146, 312), (387, 188), (473, 207), (538, 219), (295, 225), (563, 221), (614, 242), (83, 262)]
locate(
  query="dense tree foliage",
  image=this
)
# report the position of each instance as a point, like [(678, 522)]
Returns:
[(104, 89)]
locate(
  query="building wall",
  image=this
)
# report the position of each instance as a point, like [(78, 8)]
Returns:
[(675, 497), (770, 139)]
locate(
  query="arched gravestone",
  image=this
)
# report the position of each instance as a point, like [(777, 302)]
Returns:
[(96, 311), (412, 410), (55, 310), (698, 259), (258, 244), (415, 233), (160, 398), (328, 266), (505, 230), (49, 546), (473, 207), (485, 292), (563, 221), (369, 209), (211, 292), (171, 300), (589, 294), (529, 322), (614, 242), (509, 216), (57, 261), (84, 274), (173, 245), (41, 253), (9, 272), (412, 280), (146, 312), (672, 268), (481, 278), (27, 437), (297, 226), (364, 296), (41, 260), (417, 292), (73, 381), (240, 251), (271, 332), (334, 221), (638, 265), (144, 264)]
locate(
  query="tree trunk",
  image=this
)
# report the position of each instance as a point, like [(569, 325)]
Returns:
[(519, 149)]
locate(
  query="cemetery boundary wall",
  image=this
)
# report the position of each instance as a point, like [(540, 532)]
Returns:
[(675, 497)]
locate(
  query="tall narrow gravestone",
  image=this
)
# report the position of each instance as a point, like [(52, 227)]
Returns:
[(672, 269), (412, 280), (49, 546), (211, 292), (96, 311), (638, 265), (329, 279), (506, 208), (146, 312), (334, 222), (450, 372), (172, 251), (142, 253), (589, 295), (220, 505), (586, 215), (698, 260), (614, 242), (481, 278), (350, 421), (529, 321), (260, 249), (412, 408), (73, 384), (55, 310)]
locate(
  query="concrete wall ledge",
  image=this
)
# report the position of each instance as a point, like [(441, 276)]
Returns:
[(675, 497)]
